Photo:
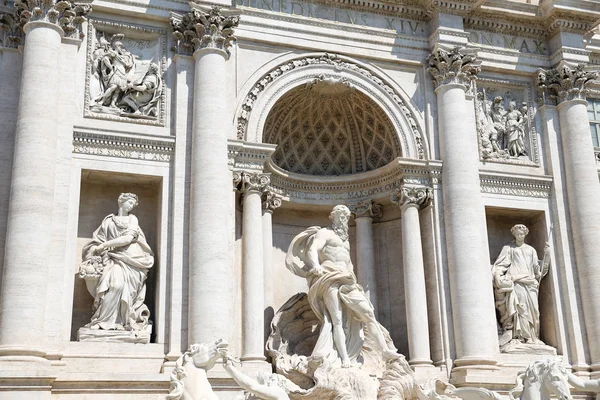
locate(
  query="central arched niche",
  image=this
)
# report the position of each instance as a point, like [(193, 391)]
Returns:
[(328, 127)]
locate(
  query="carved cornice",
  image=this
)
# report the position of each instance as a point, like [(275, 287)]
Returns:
[(564, 83), (12, 30), (65, 13), (366, 209), (270, 200), (248, 156), (457, 7), (490, 22), (251, 181), (204, 28), (533, 187), (416, 196), (562, 21), (453, 66), (122, 146)]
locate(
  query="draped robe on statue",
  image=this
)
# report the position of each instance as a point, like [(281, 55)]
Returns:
[(350, 291), (518, 306), (121, 289)]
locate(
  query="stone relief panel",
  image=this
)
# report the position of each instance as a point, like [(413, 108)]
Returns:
[(505, 124), (125, 73)]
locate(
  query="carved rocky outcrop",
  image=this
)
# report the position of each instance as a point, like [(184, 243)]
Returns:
[(564, 83), (453, 66), (204, 28), (66, 14)]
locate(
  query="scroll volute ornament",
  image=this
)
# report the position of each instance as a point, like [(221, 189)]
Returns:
[(564, 83), (453, 66), (204, 28), (66, 14)]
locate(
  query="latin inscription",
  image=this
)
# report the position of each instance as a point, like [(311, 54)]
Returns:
[(524, 45), (326, 13)]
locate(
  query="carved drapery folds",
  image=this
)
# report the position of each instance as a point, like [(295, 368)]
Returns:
[(366, 208), (66, 14), (564, 83), (251, 181), (419, 196), (204, 28), (453, 66)]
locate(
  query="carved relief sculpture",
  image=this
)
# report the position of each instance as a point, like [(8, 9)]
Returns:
[(115, 267), (516, 275), (503, 126), (126, 85)]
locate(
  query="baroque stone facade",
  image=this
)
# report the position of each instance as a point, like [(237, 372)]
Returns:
[(438, 130)]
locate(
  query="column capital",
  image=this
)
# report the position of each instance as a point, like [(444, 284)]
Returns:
[(66, 14), (13, 30), (251, 181), (270, 199), (366, 209), (564, 83), (456, 65), (418, 196), (204, 27)]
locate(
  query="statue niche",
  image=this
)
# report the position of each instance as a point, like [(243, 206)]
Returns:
[(503, 126), (124, 84)]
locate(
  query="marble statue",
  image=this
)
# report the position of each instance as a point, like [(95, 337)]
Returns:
[(516, 275), (322, 256), (120, 93), (189, 380), (503, 126), (115, 267), (541, 380)]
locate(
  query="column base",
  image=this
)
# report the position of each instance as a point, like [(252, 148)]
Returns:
[(253, 357), (25, 374), (473, 371), (424, 372)]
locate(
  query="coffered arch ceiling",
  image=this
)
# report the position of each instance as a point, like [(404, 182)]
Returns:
[(328, 127)]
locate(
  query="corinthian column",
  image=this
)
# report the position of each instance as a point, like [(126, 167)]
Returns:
[(410, 200), (207, 34), (568, 87), (473, 313), (251, 186), (29, 230), (366, 271)]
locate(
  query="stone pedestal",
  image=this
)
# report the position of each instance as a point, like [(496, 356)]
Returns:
[(473, 313)]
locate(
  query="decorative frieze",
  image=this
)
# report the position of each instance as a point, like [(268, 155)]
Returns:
[(366, 208), (453, 66), (65, 13), (564, 83), (204, 28), (251, 181), (418, 196), (123, 147)]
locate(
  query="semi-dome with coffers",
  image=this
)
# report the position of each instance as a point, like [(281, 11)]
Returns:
[(330, 128)]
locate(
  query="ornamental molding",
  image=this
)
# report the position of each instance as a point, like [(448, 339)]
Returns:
[(66, 14), (204, 27), (117, 146), (453, 66), (456, 7), (366, 209), (509, 90), (270, 200), (338, 65), (417, 196), (490, 22), (247, 156), (245, 182), (564, 83), (522, 186), (563, 21), (152, 49)]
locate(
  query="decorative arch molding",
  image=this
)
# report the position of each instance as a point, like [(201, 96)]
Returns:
[(292, 70)]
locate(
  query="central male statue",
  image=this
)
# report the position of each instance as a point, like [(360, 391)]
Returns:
[(322, 256)]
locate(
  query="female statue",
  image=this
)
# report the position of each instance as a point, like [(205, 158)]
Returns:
[(119, 258)]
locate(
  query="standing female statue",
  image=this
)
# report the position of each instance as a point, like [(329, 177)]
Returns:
[(115, 266)]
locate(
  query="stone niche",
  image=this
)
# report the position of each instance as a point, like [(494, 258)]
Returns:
[(499, 222), (98, 198)]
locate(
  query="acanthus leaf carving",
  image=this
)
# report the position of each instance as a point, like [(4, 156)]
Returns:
[(366, 208), (270, 199), (67, 14), (251, 181), (419, 196), (564, 83), (457, 65), (204, 28), (12, 30)]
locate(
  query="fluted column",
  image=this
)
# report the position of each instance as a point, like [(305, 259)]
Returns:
[(251, 186), (29, 228), (207, 33), (366, 271), (473, 312), (271, 201), (567, 87), (410, 200)]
